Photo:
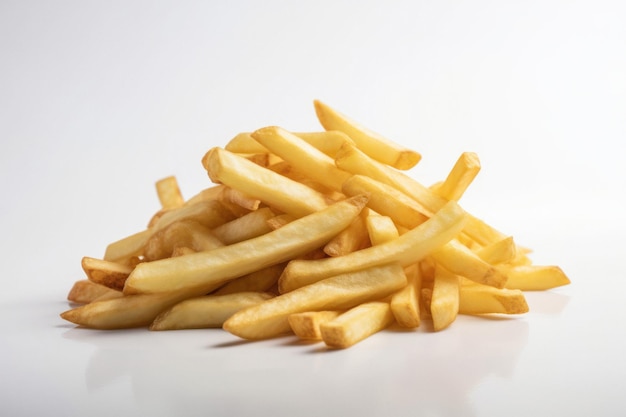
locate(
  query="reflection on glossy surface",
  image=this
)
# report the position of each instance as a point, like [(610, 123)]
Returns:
[(404, 371)]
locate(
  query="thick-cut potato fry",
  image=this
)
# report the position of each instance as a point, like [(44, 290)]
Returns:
[(233, 196), (307, 325), (371, 143), (481, 299), (270, 318), (257, 281), (460, 177), (273, 189), (387, 201), (458, 259), (209, 311), (122, 250), (356, 324), (534, 277), (85, 291), (444, 302), (279, 221), (211, 193), (405, 304), (169, 193), (123, 312), (245, 227), (498, 252), (184, 233), (409, 248), (302, 156), (202, 270), (380, 229), (107, 273), (352, 238)]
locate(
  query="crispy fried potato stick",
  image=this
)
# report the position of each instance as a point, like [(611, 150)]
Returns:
[(409, 248), (203, 270), (405, 304), (481, 299), (257, 281), (387, 201), (84, 291), (458, 259), (245, 227), (534, 277), (352, 238), (169, 193), (307, 325), (328, 142), (270, 318), (110, 274), (373, 144), (498, 252), (183, 233), (123, 312), (209, 311), (356, 324), (460, 177), (275, 190), (380, 229), (302, 156), (444, 302)]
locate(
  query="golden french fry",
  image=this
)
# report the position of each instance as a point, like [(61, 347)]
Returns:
[(270, 318), (245, 227), (122, 250), (498, 252), (85, 291), (169, 193), (407, 249), (352, 238), (481, 299), (380, 229), (307, 325), (203, 270), (279, 221), (257, 281), (371, 143), (123, 312), (209, 311), (460, 260), (534, 277), (184, 233), (405, 304), (387, 201), (273, 189), (107, 273), (233, 196), (302, 156), (356, 324), (444, 302), (460, 177), (328, 141), (211, 193)]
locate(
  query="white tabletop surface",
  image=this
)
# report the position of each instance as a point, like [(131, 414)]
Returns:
[(98, 100)]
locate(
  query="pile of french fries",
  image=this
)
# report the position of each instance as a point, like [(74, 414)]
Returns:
[(320, 234)]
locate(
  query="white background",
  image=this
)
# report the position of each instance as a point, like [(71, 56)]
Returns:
[(98, 100)]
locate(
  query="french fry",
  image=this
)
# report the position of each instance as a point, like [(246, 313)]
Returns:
[(407, 249), (356, 324), (209, 311), (233, 196), (380, 229), (169, 193), (184, 233), (203, 270), (122, 250), (460, 177), (299, 153), (387, 201), (270, 318), (460, 260), (123, 312), (85, 291), (444, 302), (534, 277), (307, 325), (371, 143), (351, 239), (273, 189), (107, 273), (498, 252), (257, 281), (405, 304), (477, 299), (245, 227)]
